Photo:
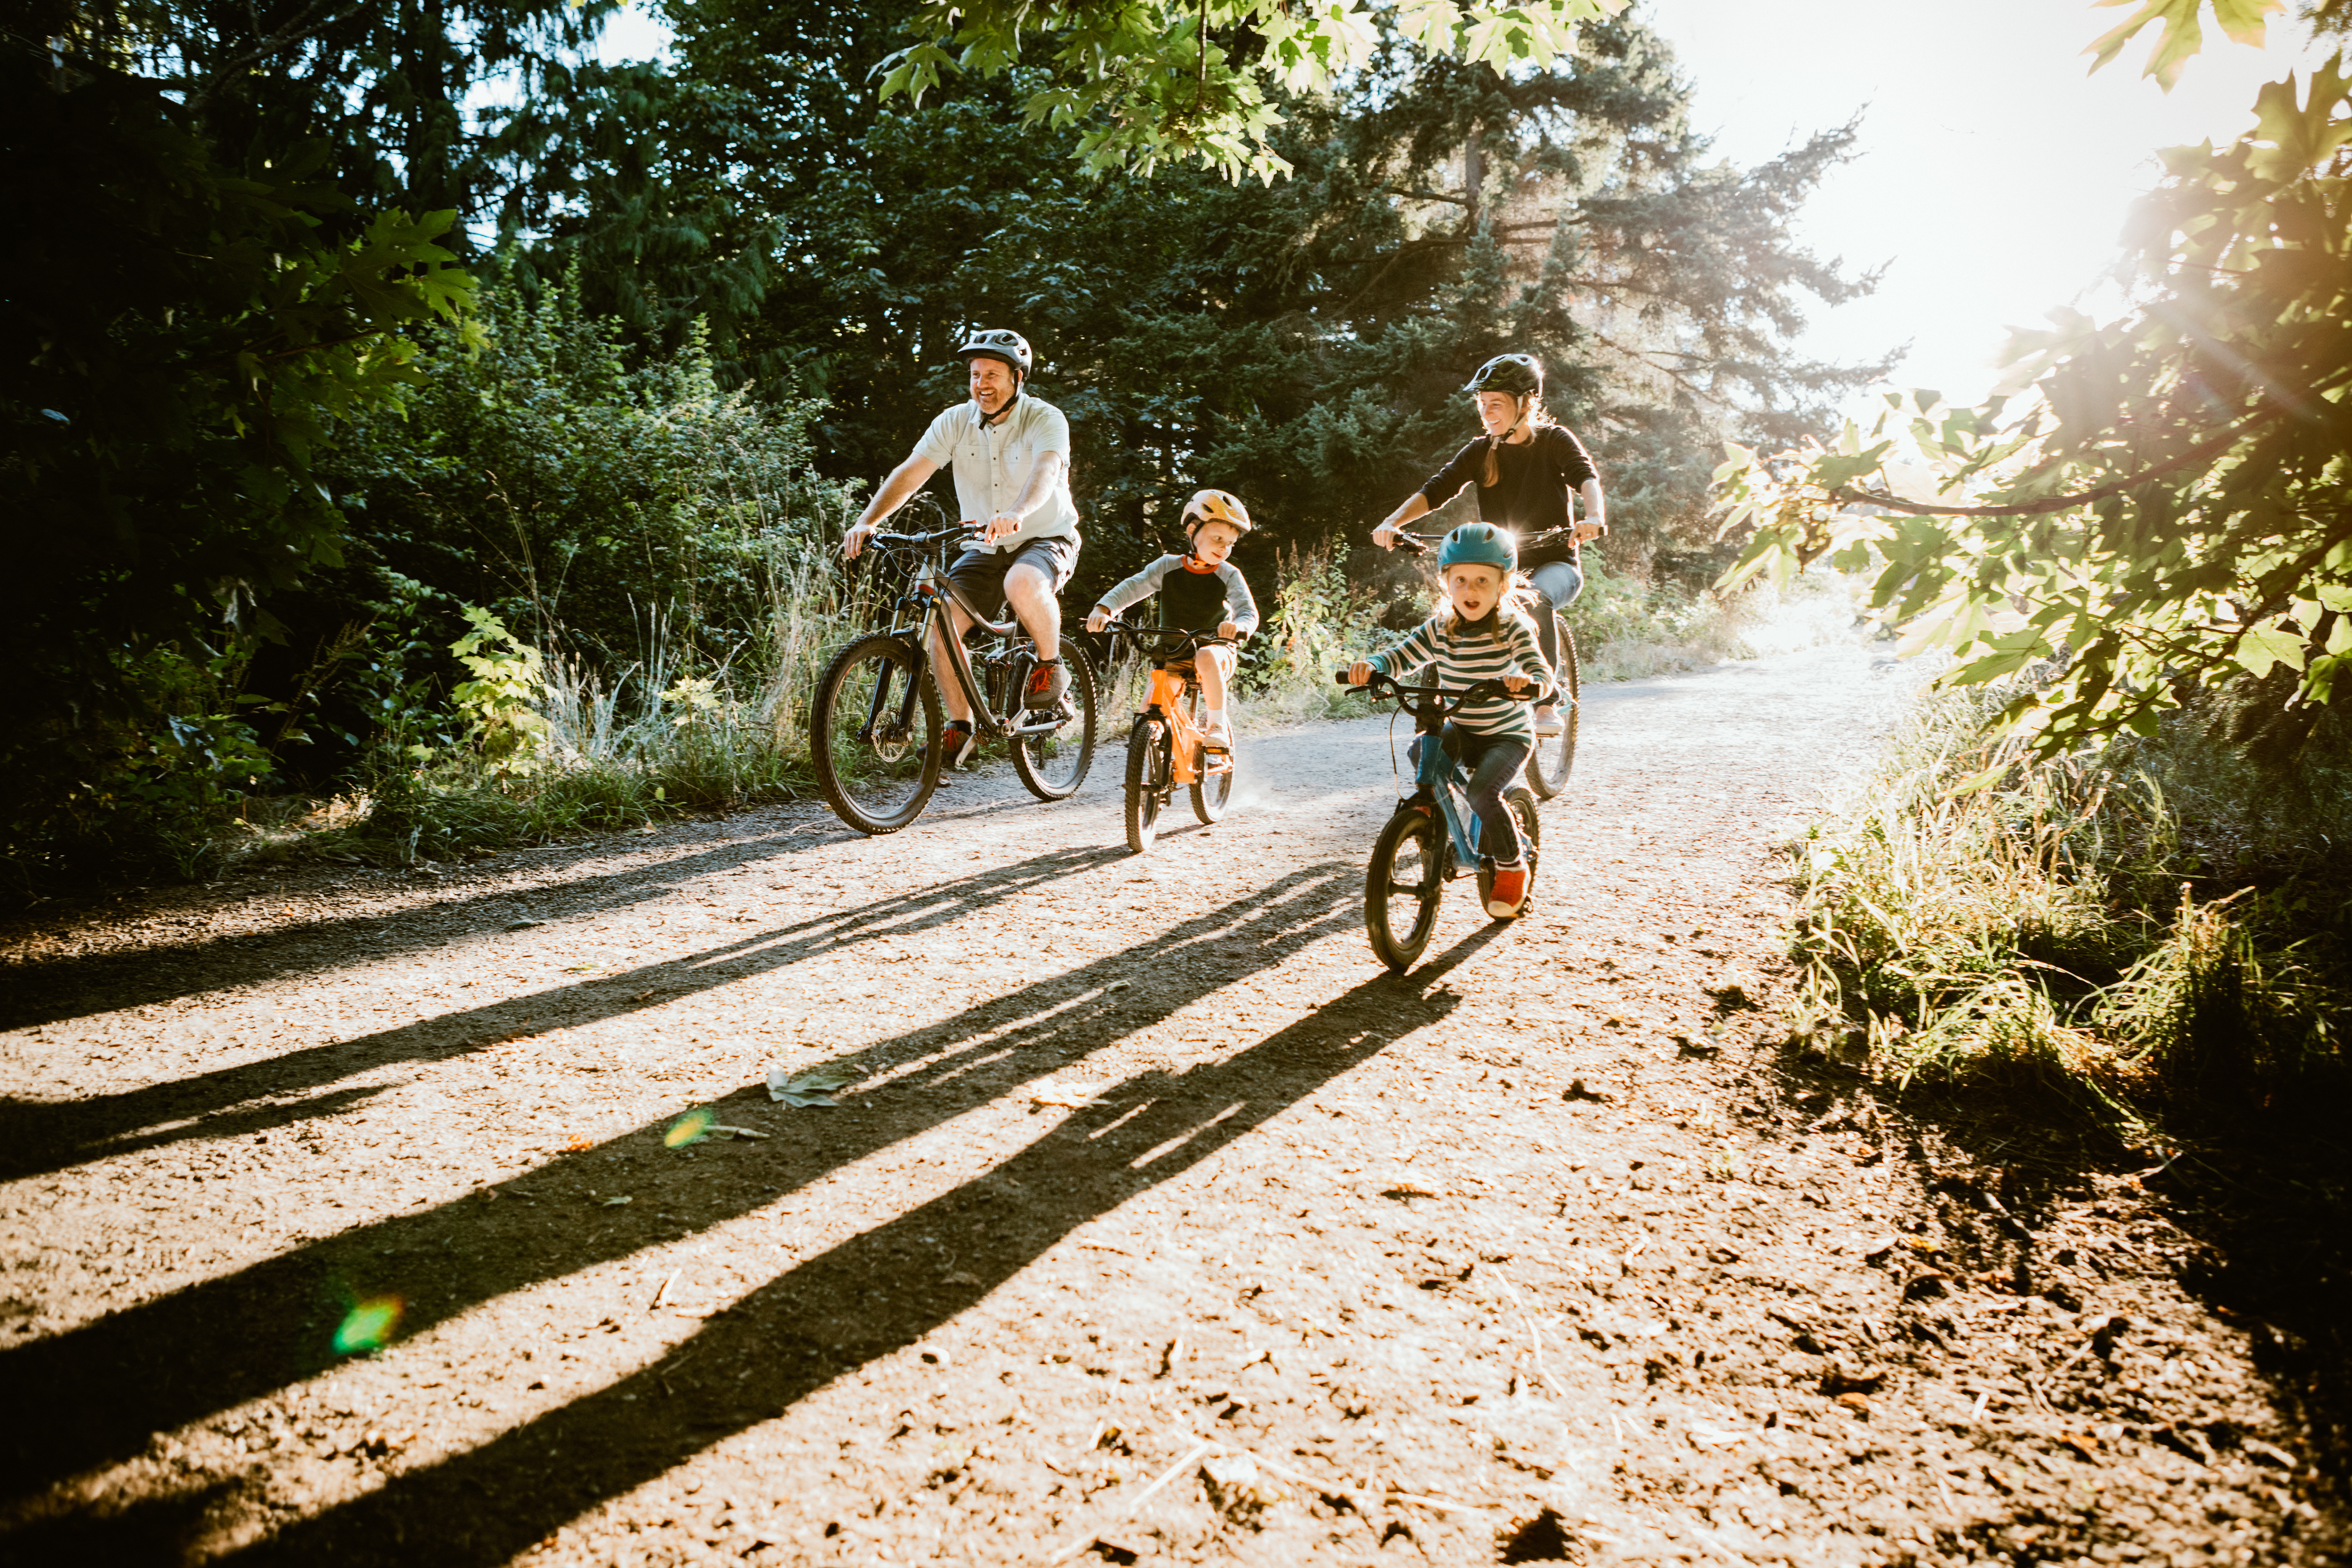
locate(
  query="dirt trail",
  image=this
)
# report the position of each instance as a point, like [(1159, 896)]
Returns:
[(1160, 1224)]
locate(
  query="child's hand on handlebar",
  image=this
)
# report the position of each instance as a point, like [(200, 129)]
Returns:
[(1359, 673), (1228, 630), (1518, 685), (1098, 619)]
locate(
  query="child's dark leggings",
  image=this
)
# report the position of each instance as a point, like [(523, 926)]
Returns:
[(1493, 761)]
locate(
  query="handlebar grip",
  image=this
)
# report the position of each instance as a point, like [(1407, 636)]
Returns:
[(1339, 677)]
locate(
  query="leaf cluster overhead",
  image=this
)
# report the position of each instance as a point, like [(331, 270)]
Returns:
[(2162, 502)]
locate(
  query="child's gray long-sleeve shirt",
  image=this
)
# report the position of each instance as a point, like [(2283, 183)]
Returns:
[(1189, 599)]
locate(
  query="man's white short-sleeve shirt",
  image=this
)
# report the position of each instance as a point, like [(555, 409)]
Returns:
[(992, 465)]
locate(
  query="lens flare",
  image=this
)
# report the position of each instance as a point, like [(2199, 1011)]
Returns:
[(687, 1129), (368, 1325)]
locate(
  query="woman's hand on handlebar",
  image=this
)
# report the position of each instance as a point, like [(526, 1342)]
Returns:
[(1385, 536)]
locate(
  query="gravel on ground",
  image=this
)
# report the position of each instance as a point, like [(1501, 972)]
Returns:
[(357, 1217)]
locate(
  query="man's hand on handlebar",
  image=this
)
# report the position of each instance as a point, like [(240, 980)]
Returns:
[(998, 527), (853, 543)]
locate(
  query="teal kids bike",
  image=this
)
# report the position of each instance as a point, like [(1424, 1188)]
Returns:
[(1432, 837)]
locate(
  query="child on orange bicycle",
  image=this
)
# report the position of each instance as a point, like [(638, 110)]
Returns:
[(1480, 635), (1200, 591)]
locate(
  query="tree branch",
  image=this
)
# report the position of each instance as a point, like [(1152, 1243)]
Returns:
[(2205, 449)]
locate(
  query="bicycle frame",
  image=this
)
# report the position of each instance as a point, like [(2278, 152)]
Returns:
[(921, 612), (1440, 775), (1166, 695)]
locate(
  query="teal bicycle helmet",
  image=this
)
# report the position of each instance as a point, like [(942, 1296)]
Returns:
[(1479, 544)]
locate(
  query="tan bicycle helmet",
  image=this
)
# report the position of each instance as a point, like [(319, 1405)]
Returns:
[(1215, 506)]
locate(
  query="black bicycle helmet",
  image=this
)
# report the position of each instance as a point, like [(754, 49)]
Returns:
[(997, 343), (1521, 375)]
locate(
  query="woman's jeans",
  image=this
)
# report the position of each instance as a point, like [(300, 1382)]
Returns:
[(1558, 583), (1493, 761)]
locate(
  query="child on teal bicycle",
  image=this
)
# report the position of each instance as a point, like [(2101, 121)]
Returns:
[(1480, 636), (1200, 591)]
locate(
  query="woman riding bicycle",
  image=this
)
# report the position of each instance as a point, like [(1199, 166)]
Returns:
[(1200, 591), (1475, 636), (1524, 468)]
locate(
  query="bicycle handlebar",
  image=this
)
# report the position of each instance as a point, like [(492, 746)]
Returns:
[(1418, 543), (922, 540), (1435, 697), (1192, 641)]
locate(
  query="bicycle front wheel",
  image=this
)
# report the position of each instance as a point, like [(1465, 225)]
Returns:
[(1054, 765), (1554, 757), (1401, 886), (1147, 782), (1210, 791), (874, 733)]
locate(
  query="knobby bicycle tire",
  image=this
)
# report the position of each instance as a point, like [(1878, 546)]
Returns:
[(1053, 766), (1146, 775), (1418, 838), (874, 789), (1551, 761)]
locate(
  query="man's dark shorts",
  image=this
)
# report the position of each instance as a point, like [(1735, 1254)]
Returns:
[(978, 575)]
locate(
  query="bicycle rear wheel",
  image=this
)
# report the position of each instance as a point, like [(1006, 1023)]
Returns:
[(1554, 757), (1055, 765), (874, 733), (1147, 782), (1210, 791), (1401, 887), (1522, 803)]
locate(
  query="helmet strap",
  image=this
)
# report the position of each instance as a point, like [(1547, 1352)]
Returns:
[(987, 419)]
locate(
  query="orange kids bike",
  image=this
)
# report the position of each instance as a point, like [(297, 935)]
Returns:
[(1165, 746)]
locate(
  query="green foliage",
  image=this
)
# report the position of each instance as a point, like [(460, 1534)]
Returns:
[(187, 346), (2162, 505), (1169, 79), (594, 507), (1303, 343), (2149, 930), (509, 679)]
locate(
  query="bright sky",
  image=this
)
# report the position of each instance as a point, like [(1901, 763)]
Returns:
[(1995, 177)]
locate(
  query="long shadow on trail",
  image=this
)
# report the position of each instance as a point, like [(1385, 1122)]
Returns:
[(37, 1137), (105, 1388), (51, 991), (778, 1345)]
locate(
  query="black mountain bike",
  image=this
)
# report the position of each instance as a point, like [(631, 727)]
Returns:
[(874, 730), (1554, 757)]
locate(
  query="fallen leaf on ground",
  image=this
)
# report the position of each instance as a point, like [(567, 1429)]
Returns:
[(803, 1090), (611, 1203)]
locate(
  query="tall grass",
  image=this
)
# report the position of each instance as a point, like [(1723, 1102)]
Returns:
[(2068, 929)]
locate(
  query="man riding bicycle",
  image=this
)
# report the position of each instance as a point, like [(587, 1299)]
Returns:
[(1010, 455)]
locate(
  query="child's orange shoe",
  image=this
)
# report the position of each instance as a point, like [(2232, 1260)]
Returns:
[(1508, 891)]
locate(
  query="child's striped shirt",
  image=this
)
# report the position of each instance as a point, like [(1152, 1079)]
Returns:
[(1509, 648)]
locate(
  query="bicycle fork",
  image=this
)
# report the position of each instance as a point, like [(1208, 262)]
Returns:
[(1434, 776)]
